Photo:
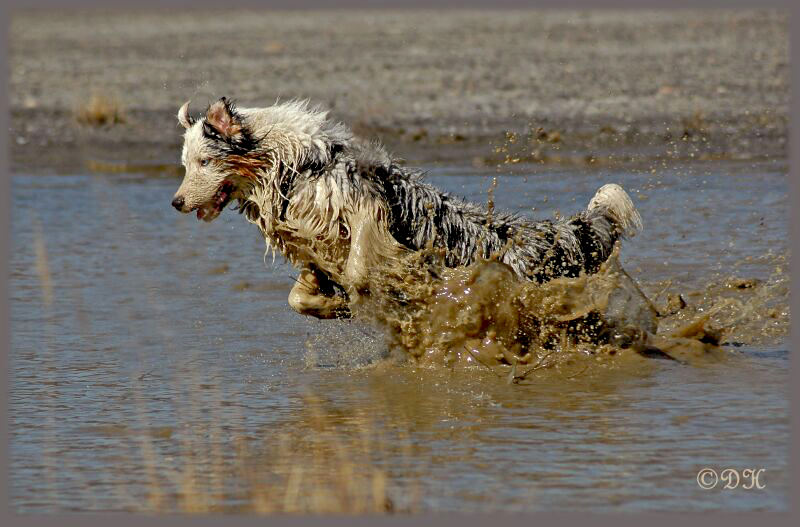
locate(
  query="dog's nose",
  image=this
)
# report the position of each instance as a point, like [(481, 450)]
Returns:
[(178, 202)]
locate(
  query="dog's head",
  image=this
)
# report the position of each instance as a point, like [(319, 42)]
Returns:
[(228, 151), (210, 143)]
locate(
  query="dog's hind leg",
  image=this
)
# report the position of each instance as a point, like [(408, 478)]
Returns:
[(307, 298)]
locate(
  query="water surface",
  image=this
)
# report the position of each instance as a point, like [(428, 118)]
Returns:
[(144, 340)]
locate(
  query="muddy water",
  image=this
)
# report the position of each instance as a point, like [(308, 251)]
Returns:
[(146, 345)]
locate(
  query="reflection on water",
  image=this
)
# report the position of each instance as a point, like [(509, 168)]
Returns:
[(156, 365)]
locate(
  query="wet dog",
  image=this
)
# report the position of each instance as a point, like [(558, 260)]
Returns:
[(339, 208)]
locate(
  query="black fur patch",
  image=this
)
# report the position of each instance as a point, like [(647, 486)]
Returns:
[(399, 225), (555, 262), (590, 247)]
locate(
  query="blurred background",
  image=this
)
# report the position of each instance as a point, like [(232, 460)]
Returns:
[(108, 84), (156, 365)]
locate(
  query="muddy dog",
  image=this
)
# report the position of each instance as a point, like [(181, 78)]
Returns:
[(337, 207)]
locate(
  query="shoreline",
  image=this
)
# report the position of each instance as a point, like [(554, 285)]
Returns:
[(117, 146), (550, 87)]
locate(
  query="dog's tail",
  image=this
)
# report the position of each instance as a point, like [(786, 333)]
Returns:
[(612, 202)]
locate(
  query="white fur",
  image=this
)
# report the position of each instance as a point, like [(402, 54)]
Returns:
[(613, 198)]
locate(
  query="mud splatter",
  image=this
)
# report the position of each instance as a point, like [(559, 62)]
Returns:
[(482, 316), (747, 311)]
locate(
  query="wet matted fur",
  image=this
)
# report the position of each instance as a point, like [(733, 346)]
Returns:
[(339, 208)]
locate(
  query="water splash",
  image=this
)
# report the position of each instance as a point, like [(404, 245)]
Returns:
[(482, 316)]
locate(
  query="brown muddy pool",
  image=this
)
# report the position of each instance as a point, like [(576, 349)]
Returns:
[(156, 365)]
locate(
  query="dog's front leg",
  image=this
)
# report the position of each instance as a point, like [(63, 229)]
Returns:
[(307, 298), (368, 248)]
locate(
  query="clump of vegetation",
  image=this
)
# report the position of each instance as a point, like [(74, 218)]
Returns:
[(100, 110), (316, 466), (695, 126)]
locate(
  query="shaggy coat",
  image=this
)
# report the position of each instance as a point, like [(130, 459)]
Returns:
[(338, 207)]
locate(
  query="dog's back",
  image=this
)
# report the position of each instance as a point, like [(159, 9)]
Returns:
[(423, 216)]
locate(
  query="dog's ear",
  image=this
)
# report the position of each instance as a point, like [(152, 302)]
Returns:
[(222, 119), (184, 118)]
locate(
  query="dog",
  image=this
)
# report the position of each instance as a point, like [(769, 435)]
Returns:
[(338, 208)]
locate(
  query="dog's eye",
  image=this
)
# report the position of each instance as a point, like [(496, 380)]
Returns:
[(204, 162)]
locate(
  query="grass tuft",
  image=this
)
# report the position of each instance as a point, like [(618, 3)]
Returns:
[(100, 110), (319, 465)]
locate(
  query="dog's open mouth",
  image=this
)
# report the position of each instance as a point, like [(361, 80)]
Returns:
[(213, 207)]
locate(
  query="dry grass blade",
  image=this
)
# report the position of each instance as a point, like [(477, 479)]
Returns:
[(43, 266), (540, 365)]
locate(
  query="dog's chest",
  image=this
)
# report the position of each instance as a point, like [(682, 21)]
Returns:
[(309, 232)]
